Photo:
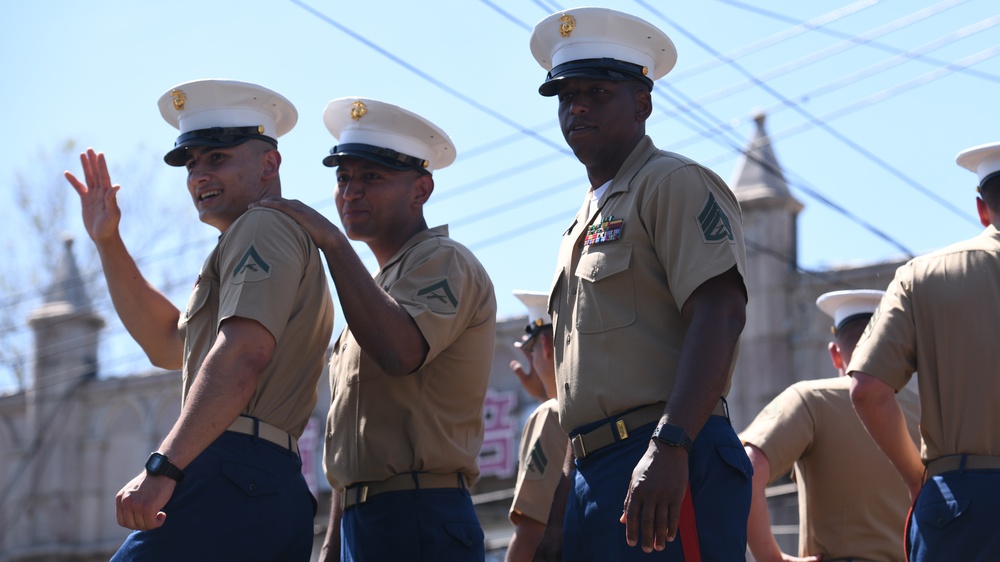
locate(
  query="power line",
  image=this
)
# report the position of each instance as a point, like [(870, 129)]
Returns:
[(862, 40), (801, 184), (427, 77), (781, 36), (850, 143)]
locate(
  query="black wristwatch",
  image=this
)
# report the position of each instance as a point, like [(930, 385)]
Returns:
[(159, 465), (673, 435)]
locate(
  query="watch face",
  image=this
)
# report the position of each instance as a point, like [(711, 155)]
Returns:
[(155, 463)]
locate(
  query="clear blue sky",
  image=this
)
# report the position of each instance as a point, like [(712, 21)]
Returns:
[(92, 72)]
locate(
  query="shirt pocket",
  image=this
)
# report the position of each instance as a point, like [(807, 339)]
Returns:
[(606, 286), (198, 299), (354, 363)]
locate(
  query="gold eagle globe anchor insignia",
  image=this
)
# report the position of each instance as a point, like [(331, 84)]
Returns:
[(567, 24), (180, 98), (358, 110)]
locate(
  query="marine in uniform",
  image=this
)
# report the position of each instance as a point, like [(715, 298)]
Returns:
[(852, 502), (648, 305), (940, 317), (226, 483), (410, 371), (543, 440)]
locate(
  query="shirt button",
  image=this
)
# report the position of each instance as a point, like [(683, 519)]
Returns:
[(253, 487)]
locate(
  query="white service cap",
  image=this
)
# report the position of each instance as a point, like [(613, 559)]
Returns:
[(844, 306), (983, 160), (538, 312), (385, 134), (600, 43), (216, 112)]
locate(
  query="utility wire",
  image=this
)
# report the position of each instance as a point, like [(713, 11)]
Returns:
[(800, 184), (862, 39), (804, 113), (823, 54), (427, 77), (780, 37)]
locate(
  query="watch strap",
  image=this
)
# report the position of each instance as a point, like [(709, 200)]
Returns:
[(673, 435), (159, 465)]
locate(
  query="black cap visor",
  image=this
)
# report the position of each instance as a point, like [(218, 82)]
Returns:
[(599, 69), (377, 154), (216, 137)]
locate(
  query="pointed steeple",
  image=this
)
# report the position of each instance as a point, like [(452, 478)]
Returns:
[(66, 328), (67, 284), (758, 179)]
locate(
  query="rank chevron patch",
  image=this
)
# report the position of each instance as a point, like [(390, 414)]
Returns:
[(714, 223), (438, 293), (251, 267), (537, 461)]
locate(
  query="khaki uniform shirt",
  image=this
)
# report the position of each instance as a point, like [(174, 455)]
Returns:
[(852, 502), (665, 226), (940, 317), (266, 268), (543, 448), (430, 420)]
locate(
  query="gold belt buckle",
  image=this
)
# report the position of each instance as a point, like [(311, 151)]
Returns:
[(362, 496), (622, 430), (578, 447)]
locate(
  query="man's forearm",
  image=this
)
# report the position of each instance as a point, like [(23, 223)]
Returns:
[(876, 405), (221, 390), (150, 318), (331, 544), (759, 537), (383, 328), (716, 313)]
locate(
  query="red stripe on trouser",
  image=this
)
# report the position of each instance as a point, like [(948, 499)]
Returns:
[(688, 529)]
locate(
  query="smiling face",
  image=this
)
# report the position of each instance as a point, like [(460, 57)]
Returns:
[(378, 205), (602, 121), (222, 181)]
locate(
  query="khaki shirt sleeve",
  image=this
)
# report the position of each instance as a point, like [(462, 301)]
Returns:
[(443, 294), (543, 449), (887, 347), (261, 264), (784, 430), (694, 221)]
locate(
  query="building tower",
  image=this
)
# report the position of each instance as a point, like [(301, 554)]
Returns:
[(769, 225), (66, 330)]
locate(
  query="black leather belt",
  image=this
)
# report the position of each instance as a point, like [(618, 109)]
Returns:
[(952, 463), (360, 493)]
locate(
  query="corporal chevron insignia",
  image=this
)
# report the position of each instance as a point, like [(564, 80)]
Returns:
[(251, 267), (438, 294), (714, 223)]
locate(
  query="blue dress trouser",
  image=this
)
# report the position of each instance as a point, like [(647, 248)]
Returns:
[(428, 525), (243, 498), (955, 518), (720, 479)]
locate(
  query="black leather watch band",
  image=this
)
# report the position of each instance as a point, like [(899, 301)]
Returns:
[(159, 465), (673, 435)]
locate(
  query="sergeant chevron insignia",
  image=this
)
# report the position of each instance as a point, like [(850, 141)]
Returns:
[(714, 223)]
